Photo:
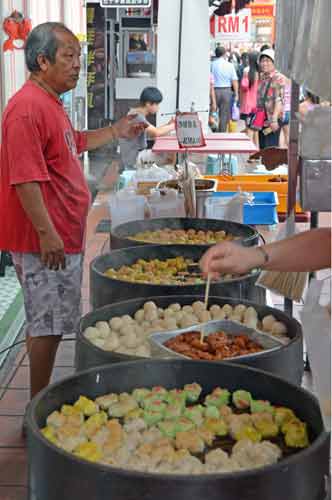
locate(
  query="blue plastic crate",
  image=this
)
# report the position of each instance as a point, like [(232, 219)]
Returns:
[(263, 211)]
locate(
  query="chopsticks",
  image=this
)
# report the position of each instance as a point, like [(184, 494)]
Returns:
[(206, 301)]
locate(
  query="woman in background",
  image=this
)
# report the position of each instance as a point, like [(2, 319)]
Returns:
[(248, 93)]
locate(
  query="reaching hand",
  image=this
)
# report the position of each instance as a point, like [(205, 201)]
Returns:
[(128, 128), (172, 121), (228, 257), (52, 251)]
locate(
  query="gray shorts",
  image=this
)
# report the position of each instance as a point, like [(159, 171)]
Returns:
[(52, 299)]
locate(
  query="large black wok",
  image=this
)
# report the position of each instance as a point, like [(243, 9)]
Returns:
[(54, 474), (105, 290), (247, 235), (286, 361)]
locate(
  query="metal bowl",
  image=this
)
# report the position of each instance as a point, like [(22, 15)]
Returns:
[(55, 474), (105, 290), (286, 361), (120, 235), (267, 342), (204, 189)]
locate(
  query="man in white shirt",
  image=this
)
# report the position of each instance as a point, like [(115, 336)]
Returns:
[(225, 82)]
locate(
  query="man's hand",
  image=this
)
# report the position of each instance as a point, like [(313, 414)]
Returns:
[(52, 250), (171, 121), (127, 128), (231, 258)]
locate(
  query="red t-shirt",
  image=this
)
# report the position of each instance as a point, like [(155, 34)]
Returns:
[(40, 145)]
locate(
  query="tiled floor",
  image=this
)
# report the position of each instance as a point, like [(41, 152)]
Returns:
[(14, 385), (11, 309)]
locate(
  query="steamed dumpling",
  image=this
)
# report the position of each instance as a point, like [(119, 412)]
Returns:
[(104, 328), (268, 323)]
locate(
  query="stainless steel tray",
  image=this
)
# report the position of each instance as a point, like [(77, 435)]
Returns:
[(268, 343)]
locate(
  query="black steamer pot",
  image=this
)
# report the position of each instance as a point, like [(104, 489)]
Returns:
[(120, 235), (105, 290), (286, 362), (55, 474)]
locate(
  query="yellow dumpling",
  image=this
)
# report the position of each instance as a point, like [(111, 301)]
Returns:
[(88, 451), (48, 433), (87, 406)]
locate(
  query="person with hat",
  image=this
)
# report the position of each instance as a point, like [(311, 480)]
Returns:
[(270, 97)]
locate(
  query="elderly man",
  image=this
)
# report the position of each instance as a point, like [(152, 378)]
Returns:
[(44, 199)]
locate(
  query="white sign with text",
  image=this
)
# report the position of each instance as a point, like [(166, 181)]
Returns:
[(234, 27), (189, 130)]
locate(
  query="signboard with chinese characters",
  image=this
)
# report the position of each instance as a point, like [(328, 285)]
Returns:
[(96, 65), (233, 27), (189, 130), (262, 10), (125, 4)]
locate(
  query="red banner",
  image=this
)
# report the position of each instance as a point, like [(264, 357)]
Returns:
[(262, 10)]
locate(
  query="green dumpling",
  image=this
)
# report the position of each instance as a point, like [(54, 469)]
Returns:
[(211, 412), (173, 411), (193, 392), (150, 400), (159, 391), (177, 396), (242, 399), (195, 414), (184, 424), (168, 428), (219, 397), (152, 417), (260, 406)]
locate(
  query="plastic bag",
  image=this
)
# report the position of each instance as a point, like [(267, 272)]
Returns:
[(126, 206), (235, 112), (151, 173), (169, 203), (234, 208), (316, 324)]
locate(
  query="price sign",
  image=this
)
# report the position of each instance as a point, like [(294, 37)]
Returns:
[(189, 130), (233, 27), (125, 4)]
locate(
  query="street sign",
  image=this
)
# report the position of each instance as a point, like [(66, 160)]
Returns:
[(233, 27), (125, 4), (189, 130)]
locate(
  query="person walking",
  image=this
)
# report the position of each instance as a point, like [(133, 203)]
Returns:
[(270, 96), (248, 93), (44, 198), (225, 83)]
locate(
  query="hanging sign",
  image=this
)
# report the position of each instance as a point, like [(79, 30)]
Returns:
[(233, 27), (125, 4), (189, 130)]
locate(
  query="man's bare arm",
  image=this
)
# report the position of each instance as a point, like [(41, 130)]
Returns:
[(51, 245)]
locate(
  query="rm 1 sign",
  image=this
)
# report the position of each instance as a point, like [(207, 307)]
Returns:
[(233, 27)]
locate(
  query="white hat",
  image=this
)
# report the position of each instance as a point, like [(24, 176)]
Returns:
[(268, 53)]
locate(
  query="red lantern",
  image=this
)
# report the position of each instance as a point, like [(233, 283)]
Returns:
[(17, 28)]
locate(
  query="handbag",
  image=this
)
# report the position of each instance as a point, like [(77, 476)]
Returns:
[(258, 115)]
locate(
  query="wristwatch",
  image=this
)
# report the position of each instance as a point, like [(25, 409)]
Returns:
[(265, 254)]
